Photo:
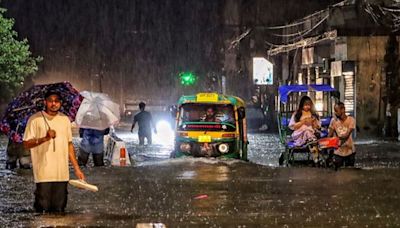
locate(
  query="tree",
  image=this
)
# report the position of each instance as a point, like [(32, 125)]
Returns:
[(16, 61)]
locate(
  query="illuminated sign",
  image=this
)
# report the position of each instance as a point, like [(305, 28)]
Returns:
[(263, 72), (207, 127), (204, 126)]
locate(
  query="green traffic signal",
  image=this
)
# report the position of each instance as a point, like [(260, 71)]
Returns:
[(187, 78)]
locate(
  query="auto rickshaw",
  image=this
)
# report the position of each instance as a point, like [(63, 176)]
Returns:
[(211, 125), (287, 102)]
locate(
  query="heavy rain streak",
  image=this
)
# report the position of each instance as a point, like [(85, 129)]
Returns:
[(200, 113)]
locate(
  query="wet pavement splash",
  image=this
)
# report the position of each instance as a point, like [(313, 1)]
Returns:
[(200, 192)]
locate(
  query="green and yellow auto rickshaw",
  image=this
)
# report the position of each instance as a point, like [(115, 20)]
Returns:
[(211, 125)]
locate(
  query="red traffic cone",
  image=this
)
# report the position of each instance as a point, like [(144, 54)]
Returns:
[(122, 156)]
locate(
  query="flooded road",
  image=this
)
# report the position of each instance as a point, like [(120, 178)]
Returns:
[(189, 192)]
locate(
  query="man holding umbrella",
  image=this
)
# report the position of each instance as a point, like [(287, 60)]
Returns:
[(49, 137)]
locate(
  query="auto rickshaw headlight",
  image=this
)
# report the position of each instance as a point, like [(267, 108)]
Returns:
[(223, 148), (185, 147)]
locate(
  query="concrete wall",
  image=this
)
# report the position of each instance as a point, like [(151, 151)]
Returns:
[(369, 52)]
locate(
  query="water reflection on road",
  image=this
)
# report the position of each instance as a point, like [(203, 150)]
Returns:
[(219, 192), (264, 149)]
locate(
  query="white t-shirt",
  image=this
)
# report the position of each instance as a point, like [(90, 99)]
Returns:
[(50, 164)]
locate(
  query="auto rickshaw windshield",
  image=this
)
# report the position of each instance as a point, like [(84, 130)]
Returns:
[(207, 113)]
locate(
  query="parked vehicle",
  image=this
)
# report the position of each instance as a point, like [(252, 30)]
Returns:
[(130, 109)]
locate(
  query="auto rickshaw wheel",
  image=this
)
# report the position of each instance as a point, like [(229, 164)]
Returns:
[(290, 157), (281, 159), (285, 158)]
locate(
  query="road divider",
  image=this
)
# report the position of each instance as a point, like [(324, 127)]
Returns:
[(116, 151)]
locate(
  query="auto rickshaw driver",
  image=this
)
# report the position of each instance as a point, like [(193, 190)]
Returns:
[(211, 115)]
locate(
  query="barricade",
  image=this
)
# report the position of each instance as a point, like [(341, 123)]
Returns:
[(116, 151)]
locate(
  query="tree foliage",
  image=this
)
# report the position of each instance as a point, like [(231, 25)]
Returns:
[(16, 61)]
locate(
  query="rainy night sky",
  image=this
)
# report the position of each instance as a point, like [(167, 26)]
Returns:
[(132, 49)]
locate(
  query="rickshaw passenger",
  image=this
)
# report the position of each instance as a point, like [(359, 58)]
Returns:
[(304, 122), (227, 116)]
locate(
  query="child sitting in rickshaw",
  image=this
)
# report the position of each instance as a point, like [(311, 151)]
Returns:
[(305, 122)]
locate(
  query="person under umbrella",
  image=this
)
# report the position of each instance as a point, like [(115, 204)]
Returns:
[(48, 135), (92, 143), (95, 115), (30, 101), (24, 105)]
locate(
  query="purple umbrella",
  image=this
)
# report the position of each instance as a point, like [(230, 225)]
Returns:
[(30, 101)]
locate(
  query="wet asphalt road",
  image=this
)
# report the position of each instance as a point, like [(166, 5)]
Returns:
[(190, 192)]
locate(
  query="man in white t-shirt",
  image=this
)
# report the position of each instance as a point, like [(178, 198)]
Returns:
[(48, 135), (342, 127)]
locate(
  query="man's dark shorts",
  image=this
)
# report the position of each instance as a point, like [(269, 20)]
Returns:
[(347, 161), (51, 197)]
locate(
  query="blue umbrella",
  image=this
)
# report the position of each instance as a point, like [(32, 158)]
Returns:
[(30, 101)]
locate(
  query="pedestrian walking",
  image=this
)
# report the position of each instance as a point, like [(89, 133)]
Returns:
[(145, 122), (48, 135)]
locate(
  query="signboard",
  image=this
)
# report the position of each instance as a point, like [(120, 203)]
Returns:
[(203, 126), (207, 97), (204, 138), (263, 71), (336, 68)]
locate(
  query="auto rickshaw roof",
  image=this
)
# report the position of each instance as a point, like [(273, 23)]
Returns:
[(285, 90), (211, 98)]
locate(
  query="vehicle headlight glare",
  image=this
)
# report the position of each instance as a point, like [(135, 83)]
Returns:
[(223, 148), (185, 147)]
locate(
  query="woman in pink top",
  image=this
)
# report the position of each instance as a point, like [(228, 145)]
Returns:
[(304, 122)]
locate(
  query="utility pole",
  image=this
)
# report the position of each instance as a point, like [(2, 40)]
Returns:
[(101, 76)]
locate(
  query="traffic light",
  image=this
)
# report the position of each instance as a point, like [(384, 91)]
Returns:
[(187, 78)]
